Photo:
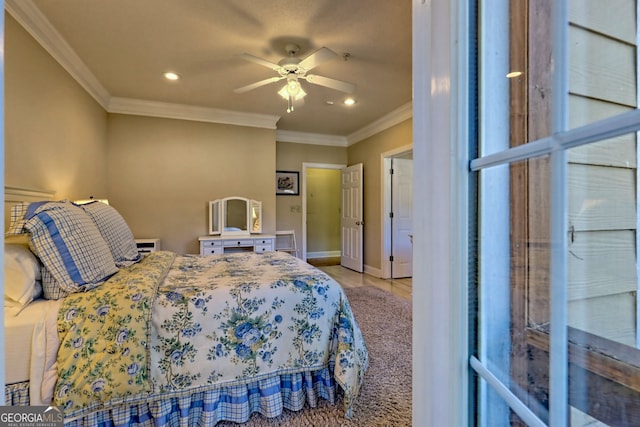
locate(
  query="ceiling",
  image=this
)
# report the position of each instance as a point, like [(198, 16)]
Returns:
[(121, 48)]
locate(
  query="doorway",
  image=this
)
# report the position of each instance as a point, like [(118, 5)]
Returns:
[(397, 247), (315, 179)]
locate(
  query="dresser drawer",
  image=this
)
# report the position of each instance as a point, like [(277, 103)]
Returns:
[(212, 250), (210, 243), (264, 242), (238, 242), (263, 248)]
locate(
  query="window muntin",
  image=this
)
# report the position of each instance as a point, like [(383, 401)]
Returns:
[(587, 192)]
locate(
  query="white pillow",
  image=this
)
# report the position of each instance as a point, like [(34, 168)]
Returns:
[(21, 276)]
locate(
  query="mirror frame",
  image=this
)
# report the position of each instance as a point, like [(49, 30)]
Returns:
[(217, 217)]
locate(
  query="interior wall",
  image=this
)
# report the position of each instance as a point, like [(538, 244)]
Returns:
[(55, 133), (290, 157), (368, 152), (163, 172), (323, 211)]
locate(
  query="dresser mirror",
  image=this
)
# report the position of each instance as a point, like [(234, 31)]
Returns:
[(235, 216)]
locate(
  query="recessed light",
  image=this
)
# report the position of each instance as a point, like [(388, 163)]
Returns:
[(349, 101), (171, 76)]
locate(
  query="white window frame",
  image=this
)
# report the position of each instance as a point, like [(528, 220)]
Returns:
[(555, 146), (440, 368), (440, 123)]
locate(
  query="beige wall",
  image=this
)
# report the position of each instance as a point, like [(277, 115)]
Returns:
[(163, 172), (368, 152), (55, 133), (290, 157), (159, 173), (323, 210)]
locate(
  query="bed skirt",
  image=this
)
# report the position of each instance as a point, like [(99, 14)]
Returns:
[(236, 403), (17, 394)]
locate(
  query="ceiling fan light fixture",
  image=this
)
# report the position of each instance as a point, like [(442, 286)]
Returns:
[(291, 97), (292, 89)]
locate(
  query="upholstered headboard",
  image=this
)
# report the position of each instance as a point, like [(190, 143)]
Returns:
[(14, 195)]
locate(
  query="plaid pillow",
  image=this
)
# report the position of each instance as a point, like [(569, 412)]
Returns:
[(18, 213), (70, 247), (115, 232)]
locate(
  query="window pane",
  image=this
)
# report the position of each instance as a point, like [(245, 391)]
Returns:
[(515, 107), (603, 282), (515, 94), (602, 59), (513, 288)]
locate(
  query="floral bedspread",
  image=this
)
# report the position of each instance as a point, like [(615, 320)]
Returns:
[(205, 322)]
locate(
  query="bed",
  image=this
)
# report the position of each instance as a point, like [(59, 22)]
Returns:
[(166, 339)]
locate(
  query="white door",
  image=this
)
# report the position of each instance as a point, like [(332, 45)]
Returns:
[(402, 220), (351, 221)]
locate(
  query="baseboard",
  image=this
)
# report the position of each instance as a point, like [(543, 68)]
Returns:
[(323, 254)]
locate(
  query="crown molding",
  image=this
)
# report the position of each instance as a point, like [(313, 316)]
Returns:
[(36, 24), (398, 115), (189, 112), (311, 138)]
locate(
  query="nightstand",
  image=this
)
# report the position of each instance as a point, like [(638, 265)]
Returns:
[(146, 246)]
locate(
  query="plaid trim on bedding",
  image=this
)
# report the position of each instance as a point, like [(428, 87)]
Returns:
[(17, 394), (269, 397)]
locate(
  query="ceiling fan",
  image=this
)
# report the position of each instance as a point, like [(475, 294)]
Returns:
[(292, 69)]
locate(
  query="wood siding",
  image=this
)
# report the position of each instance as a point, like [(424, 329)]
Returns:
[(602, 177)]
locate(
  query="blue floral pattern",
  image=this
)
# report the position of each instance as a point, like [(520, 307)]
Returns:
[(217, 321)]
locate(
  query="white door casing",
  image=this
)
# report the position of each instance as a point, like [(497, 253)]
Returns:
[(351, 222), (386, 164), (402, 220)]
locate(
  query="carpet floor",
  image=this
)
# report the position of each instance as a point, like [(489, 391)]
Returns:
[(385, 397)]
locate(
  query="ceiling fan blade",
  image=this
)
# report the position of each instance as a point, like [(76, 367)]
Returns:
[(332, 83), (316, 58), (252, 86), (260, 61)]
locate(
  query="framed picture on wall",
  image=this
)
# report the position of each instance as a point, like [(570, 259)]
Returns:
[(287, 183)]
